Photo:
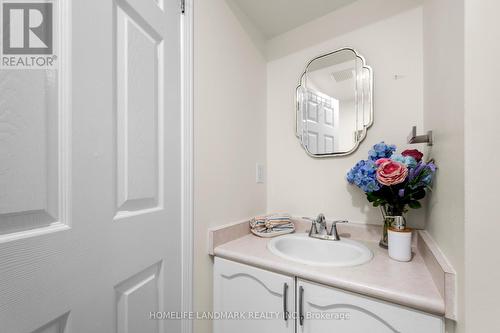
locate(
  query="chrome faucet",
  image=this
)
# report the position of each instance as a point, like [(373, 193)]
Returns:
[(323, 232)]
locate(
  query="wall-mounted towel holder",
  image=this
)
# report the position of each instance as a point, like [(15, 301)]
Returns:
[(414, 138)]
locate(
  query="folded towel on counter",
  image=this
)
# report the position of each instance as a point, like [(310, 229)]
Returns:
[(272, 223)]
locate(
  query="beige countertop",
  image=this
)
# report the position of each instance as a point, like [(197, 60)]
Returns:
[(411, 284)]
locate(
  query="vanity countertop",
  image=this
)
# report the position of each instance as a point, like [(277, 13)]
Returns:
[(411, 284)]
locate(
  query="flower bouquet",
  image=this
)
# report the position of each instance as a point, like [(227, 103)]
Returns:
[(393, 182)]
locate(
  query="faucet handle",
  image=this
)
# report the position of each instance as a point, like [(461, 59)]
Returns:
[(333, 231), (314, 228)]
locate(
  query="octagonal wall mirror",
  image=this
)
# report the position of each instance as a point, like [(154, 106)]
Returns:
[(334, 103)]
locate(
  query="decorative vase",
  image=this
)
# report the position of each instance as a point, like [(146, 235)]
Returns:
[(393, 217)]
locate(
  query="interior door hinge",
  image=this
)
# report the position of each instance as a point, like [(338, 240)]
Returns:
[(183, 6)]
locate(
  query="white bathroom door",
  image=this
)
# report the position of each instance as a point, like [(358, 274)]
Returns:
[(90, 168), (322, 123)]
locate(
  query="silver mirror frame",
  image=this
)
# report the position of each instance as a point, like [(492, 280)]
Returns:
[(297, 105)]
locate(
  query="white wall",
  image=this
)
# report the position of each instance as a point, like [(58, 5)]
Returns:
[(426, 46), (305, 186), (360, 13), (482, 161), (444, 114), (229, 130)]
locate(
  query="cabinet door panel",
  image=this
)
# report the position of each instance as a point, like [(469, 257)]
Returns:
[(327, 309), (241, 290)]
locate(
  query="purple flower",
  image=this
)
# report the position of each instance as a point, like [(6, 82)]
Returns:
[(422, 175), (415, 172)]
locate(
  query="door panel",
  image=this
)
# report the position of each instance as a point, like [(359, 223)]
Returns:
[(139, 110), (29, 154), (56, 326), (33, 144), (142, 291), (90, 192)]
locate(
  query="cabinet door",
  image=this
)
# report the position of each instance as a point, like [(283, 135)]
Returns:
[(258, 297), (326, 310)]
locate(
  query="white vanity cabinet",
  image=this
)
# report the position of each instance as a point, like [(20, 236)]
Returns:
[(311, 307), (326, 309), (241, 289)]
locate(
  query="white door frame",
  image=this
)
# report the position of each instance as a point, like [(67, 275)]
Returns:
[(187, 161)]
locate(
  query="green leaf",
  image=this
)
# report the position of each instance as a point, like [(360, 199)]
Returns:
[(372, 197), (414, 204), (418, 194)]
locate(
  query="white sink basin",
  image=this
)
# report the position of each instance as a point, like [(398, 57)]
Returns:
[(317, 252)]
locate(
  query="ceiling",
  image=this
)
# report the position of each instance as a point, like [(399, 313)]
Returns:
[(274, 17)]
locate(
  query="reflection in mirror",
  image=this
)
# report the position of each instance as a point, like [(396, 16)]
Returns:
[(334, 103)]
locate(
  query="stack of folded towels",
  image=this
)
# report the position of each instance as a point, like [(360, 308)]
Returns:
[(273, 223)]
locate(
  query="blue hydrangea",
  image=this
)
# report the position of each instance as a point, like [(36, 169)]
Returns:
[(409, 161), (381, 150), (364, 176), (427, 179), (430, 170)]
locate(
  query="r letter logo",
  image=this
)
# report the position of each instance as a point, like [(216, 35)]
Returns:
[(30, 32), (27, 28)]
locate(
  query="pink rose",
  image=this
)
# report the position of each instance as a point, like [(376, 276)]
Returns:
[(381, 160), (413, 153), (391, 173)]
